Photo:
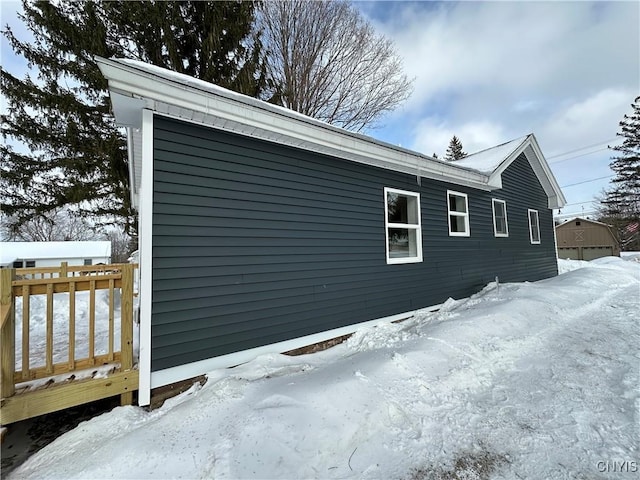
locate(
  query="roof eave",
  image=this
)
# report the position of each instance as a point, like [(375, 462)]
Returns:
[(134, 90)]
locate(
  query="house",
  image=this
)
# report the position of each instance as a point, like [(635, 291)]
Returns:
[(584, 239), (263, 230), (52, 254)]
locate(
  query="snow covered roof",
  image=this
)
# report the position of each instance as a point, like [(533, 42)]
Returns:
[(486, 161), (12, 251), (136, 86)]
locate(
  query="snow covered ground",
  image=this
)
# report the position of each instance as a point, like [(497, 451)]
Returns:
[(525, 380)]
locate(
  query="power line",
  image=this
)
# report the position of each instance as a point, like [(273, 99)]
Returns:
[(586, 181), (582, 148), (580, 156), (579, 203)]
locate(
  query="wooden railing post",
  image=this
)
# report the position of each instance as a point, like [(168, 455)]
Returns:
[(126, 326), (64, 266), (7, 333)]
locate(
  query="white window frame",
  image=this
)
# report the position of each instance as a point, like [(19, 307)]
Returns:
[(495, 224), (417, 227), (465, 215), (531, 225)]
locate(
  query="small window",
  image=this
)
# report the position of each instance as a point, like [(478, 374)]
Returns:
[(534, 226), (88, 261), (578, 223), (402, 226), (17, 264), (500, 228), (31, 263), (458, 207)]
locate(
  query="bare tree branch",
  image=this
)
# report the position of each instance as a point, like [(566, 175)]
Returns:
[(324, 60)]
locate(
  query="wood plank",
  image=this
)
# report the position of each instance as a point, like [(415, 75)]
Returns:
[(92, 320), (7, 334), (72, 326), (5, 310), (126, 326), (49, 313), (26, 304), (62, 368), (83, 284), (58, 397), (111, 319)]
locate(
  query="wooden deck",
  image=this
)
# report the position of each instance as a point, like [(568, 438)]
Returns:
[(63, 384)]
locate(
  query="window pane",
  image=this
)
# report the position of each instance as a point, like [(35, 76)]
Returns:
[(402, 209), (457, 224), (535, 229), (500, 215), (88, 261), (402, 243), (31, 263), (457, 203)]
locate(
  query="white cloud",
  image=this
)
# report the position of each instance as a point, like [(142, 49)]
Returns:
[(433, 136), (586, 121), (514, 51), (490, 72)]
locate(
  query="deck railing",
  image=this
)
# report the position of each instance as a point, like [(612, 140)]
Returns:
[(20, 286)]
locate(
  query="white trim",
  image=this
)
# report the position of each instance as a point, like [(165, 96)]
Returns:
[(465, 215), (190, 370), (555, 235), (531, 225), (506, 222), (146, 266), (417, 228), (189, 99)]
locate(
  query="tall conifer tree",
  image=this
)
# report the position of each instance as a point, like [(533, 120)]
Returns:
[(454, 150), (621, 205), (61, 146)]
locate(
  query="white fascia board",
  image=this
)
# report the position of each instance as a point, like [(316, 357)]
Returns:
[(146, 266), (556, 197), (249, 119), (133, 184), (539, 166)]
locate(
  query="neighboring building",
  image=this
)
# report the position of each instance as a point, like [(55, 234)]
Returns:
[(583, 239), (262, 230), (52, 254)]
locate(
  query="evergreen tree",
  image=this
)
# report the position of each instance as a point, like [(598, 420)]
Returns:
[(621, 203), (454, 150), (64, 148)]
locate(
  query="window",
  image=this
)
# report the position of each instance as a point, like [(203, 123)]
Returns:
[(17, 264), (402, 226), (534, 227), (577, 223), (88, 261), (31, 263), (500, 228), (458, 214)]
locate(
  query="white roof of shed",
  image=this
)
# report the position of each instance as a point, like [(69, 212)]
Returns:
[(136, 86), (11, 251)]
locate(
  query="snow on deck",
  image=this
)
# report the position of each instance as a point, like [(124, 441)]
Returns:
[(523, 380)]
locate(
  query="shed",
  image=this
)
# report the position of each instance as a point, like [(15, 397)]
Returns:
[(52, 254), (584, 239), (263, 230)]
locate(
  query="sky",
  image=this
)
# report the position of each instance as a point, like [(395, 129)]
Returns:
[(490, 72)]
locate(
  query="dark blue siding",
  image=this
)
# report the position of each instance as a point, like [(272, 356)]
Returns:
[(255, 243)]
